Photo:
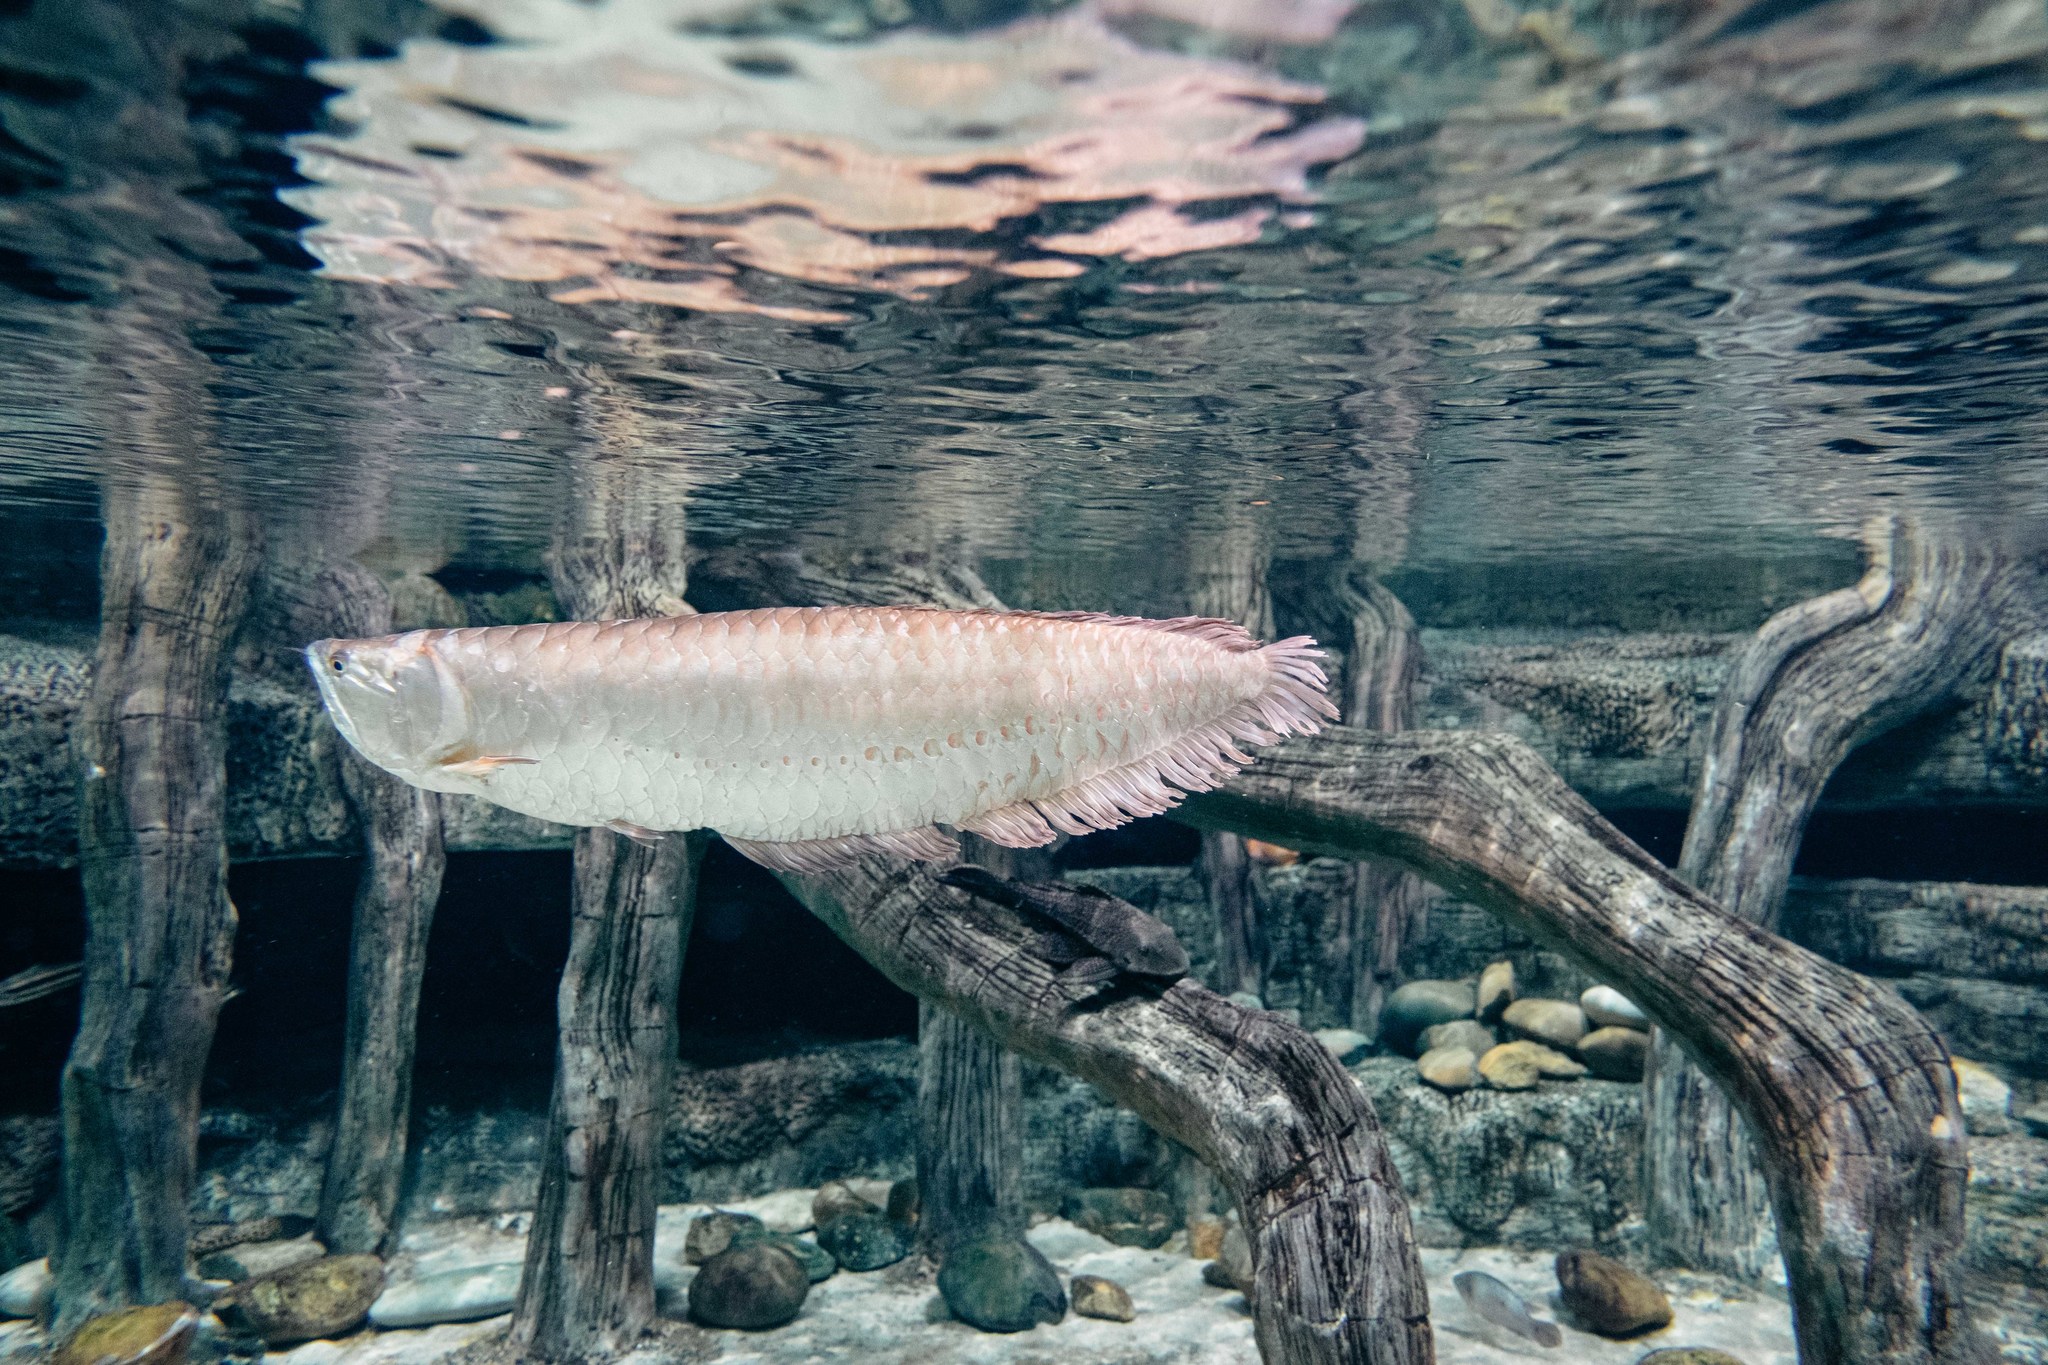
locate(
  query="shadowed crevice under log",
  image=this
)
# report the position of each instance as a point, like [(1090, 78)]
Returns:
[(151, 746), (403, 862), (1848, 1088), (1337, 1278), (1817, 680)]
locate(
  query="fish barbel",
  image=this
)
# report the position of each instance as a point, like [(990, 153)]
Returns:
[(809, 735)]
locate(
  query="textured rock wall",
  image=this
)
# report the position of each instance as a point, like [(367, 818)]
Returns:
[(1973, 958)]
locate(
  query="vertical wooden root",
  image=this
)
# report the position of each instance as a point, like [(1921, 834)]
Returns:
[(588, 1287), (394, 911), (1847, 1088), (970, 1113), (1337, 1277), (1227, 578), (1388, 904), (1241, 948), (151, 745), (589, 1282), (1817, 680)]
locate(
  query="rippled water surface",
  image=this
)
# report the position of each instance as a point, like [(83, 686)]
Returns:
[(1424, 284)]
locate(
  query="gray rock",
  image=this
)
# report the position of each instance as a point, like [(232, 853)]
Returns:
[(322, 1298), (1496, 989), (1450, 1069), (25, 1290), (1615, 1054), (1096, 1297), (836, 1199), (1346, 1045), (1232, 1269), (1419, 1005), (1986, 1099), (711, 1233), (247, 1260), (864, 1241), (1127, 1216), (1606, 1007), (1001, 1284), (1605, 1296), (1554, 1023), (1465, 1033), (2034, 1118), (462, 1295), (818, 1263), (2006, 1211), (1246, 999), (906, 1205), (754, 1286)]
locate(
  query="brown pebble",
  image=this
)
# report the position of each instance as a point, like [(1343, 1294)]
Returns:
[(1095, 1297), (152, 1334), (1607, 1297), (1205, 1238)]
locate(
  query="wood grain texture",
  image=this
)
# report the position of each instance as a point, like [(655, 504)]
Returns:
[(1848, 1089), (150, 745), (400, 884), (1257, 1100), (1818, 679)]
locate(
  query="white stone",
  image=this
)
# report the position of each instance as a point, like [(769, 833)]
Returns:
[(25, 1290), (1347, 1044), (1987, 1100), (1606, 1007), (783, 1211), (449, 1296)]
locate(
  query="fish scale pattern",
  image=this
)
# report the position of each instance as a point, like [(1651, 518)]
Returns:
[(794, 726)]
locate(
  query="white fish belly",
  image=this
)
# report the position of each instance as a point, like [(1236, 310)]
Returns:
[(796, 724)]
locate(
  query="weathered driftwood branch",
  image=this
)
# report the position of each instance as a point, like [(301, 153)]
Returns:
[(151, 746), (1258, 1100), (1848, 1088), (394, 911), (1817, 680), (588, 1287)]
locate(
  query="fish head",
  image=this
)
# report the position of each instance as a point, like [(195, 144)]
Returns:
[(394, 699), (1153, 949)]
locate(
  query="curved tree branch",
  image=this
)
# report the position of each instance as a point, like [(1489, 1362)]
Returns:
[(1338, 1281), (1847, 1087)]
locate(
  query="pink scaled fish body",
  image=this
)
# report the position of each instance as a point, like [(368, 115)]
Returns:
[(807, 736)]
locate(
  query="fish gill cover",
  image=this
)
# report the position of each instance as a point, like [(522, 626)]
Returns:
[(616, 154)]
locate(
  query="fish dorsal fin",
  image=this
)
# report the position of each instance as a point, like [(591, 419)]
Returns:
[(924, 844)]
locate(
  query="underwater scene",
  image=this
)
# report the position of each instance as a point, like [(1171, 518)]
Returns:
[(1118, 682)]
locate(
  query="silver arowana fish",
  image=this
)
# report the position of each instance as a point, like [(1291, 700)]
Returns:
[(809, 735), (1503, 1307)]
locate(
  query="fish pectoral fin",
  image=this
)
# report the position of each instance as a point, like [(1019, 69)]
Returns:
[(1085, 977), (924, 844), (482, 766), (639, 834)]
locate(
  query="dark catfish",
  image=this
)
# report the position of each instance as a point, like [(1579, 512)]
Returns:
[(1113, 935)]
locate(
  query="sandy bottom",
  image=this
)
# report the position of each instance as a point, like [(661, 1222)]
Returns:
[(895, 1317)]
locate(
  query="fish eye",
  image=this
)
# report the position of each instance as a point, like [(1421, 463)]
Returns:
[(340, 665)]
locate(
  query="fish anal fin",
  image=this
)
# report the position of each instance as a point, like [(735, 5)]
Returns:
[(924, 844), (1017, 825), (639, 834), (482, 766)]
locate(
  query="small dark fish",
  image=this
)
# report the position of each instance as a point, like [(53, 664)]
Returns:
[(1503, 1307), (33, 983), (1122, 937)]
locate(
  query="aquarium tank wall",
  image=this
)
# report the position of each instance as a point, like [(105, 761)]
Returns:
[(1147, 681)]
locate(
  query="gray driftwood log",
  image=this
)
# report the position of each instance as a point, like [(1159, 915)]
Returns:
[(151, 746), (1848, 1089), (1256, 1099), (588, 1288), (400, 884), (1817, 680)]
